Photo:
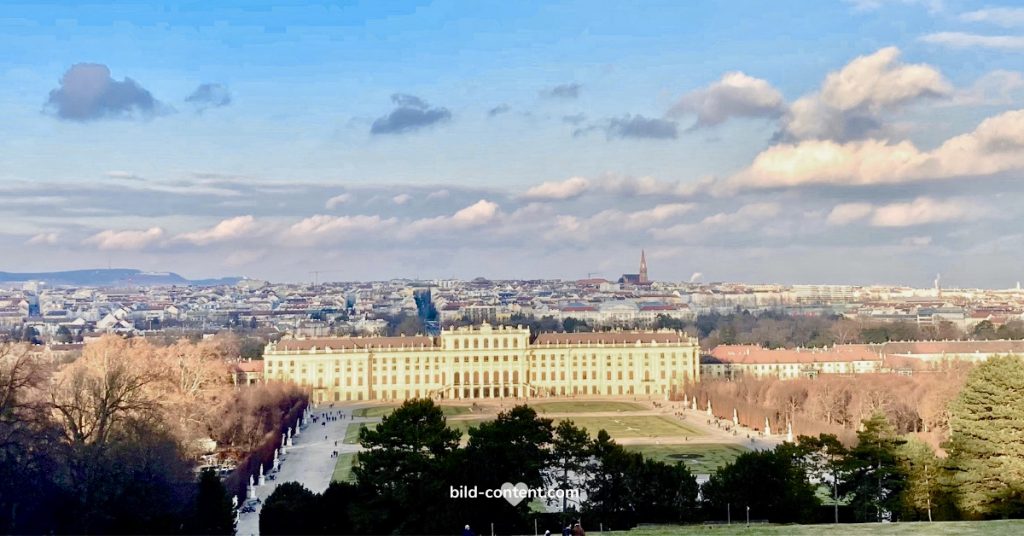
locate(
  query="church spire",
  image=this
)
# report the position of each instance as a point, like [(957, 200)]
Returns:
[(643, 267)]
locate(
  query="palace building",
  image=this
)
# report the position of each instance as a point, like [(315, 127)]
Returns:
[(486, 362)]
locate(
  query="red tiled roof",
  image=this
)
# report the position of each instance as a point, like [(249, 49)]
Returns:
[(658, 308), (249, 366), (353, 343), (611, 337), (953, 347), (579, 308), (753, 354)]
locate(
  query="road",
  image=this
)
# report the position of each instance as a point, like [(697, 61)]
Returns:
[(308, 461)]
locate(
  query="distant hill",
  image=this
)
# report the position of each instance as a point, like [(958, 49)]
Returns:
[(115, 277)]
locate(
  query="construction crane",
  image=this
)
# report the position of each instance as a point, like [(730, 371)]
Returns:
[(316, 275), (590, 275)]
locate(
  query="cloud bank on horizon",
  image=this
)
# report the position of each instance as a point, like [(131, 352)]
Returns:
[(862, 163)]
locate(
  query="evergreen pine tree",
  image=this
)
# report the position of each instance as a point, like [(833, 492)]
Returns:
[(214, 514), (986, 445), (876, 476)]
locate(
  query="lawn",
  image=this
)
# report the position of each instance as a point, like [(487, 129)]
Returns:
[(380, 411), (652, 426), (352, 433), (343, 468), (699, 458), (464, 425), (585, 407), (957, 528), (618, 427), (456, 410), (373, 411)]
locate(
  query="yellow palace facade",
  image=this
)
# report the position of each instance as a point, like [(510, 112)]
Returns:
[(486, 362)]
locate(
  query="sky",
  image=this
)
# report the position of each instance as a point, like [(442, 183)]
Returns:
[(859, 142)]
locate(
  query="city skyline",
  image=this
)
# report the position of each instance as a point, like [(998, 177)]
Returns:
[(446, 140)]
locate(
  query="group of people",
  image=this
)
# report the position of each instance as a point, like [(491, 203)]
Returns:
[(331, 417), (570, 530), (575, 530)]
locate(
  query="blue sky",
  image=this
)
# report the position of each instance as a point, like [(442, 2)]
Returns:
[(409, 114)]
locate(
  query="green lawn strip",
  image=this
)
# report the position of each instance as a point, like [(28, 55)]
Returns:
[(352, 433), (456, 410), (652, 426), (381, 411), (585, 406), (373, 411), (649, 426), (699, 458), (954, 528), (463, 425), (343, 468)]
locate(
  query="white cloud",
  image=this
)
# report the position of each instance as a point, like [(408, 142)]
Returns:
[(829, 162), (337, 201), (852, 100), (917, 241), (920, 211), (322, 228), (128, 239), (735, 95), (661, 213), (401, 199), (879, 80), (994, 146), (478, 214), (647, 186), (742, 219), (228, 229), (558, 190), (969, 40), (848, 213), (994, 88), (124, 175), (43, 239), (612, 221), (1006, 17), (438, 194), (933, 6)]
